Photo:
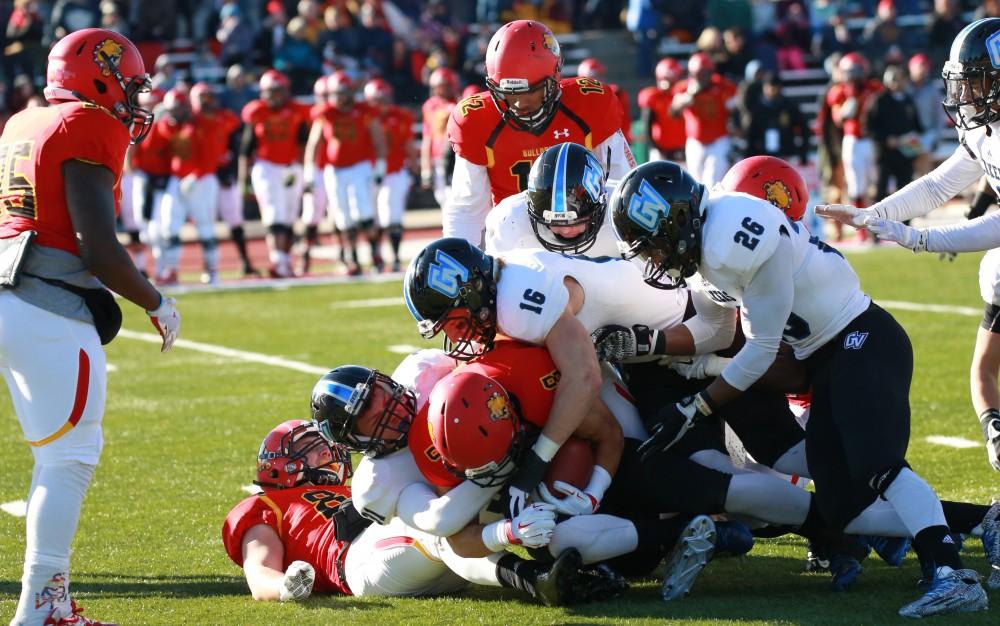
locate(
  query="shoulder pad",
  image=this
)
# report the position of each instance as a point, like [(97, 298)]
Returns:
[(421, 370), (252, 110), (733, 243), (469, 126), (646, 96), (595, 102)]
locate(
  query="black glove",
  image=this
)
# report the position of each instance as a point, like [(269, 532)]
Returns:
[(530, 471), (618, 343), (673, 422)]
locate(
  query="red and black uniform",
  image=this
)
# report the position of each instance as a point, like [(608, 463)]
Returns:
[(622, 96), (314, 113), (435, 113), (316, 525), (863, 92), (278, 133), (588, 114)]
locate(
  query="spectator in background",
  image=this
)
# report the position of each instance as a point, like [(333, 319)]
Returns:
[(153, 21), (725, 14), (711, 43), (748, 94), (297, 59), (239, 89), (644, 20), (235, 34), (71, 15), (23, 90), (777, 127), (112, 19), (834, 37), (378, 39), (884, 33), (24, 52), (792, 36), (309, 11), (988, 8), (894, 125), (926, 94), (342, 37), (737, 53), (272, 34), (946, 23)]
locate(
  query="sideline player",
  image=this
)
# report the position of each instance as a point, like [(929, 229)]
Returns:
[(151, 166), (401, 154), (69, 159), (276, 129), (496, 136), (664, 132), (594, 69), (663, 215), (435, 169), (314, 198), (704, 99)]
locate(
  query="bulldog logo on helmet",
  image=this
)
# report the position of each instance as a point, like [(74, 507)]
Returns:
[(550, 43), (107, 53), (777, 193), (498, 406)]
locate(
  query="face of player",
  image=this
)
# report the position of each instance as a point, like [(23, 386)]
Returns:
[(458, 325), (569, 232), (341, 99), (527, 103), (318, 452), (274, 97), (368, 422)]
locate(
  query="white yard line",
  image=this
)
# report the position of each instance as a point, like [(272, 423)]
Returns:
[(17, 508), (953, 442), (367, 304), (931, 308), (402, 348)]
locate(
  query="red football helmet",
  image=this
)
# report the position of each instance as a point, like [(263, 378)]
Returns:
[(378, 91), (339, 82), (319, 89), (700, 61), (274, 88), (202, 97), (854, 66), (591, 68), (177, 105), (283, 459), (668, 70), (104, 68), (523, 56), (443, 83), (476, 427), (769, 178), (918, 62)]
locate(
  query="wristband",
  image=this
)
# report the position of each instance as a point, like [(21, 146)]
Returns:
[(704, 403), (545, 448), (600, 480), (985, 418), (496, 536), (153, 312)]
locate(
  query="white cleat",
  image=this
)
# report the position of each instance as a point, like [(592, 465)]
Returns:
[(689, 556), (991, 544), (953, 591)]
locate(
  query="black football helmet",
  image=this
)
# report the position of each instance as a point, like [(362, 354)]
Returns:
[(452, 274), (972, 75), (566, 188), (656, 212), (340, 398)]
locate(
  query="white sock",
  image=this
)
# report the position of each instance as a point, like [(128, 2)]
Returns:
[(479, 571), (53, 514), (597, 537), (880, 519), (915, 502)]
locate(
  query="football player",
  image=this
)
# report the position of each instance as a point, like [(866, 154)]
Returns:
[(150, 161), (314, 198), (859, 358), (664, 132), (594, 69), (496, 136), (435, 164), (355, 157), (972, 100), (704, 100), (276, 129), (397, 125), (64, 163)]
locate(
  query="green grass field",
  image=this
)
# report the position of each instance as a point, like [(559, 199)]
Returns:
[(182, 432)]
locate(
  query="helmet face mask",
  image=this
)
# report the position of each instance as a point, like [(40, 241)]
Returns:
[(972, 75), (283, 460), (565, 189), (657, 216)]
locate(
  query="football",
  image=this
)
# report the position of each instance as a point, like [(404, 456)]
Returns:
[(573, 464)]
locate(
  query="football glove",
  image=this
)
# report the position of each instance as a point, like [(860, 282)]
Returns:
[(616, 343), (167, 321), (532, 528), (574, 501), (912, 238), (672, 423), (845, 214), (701, 366), (298, 581), (990, 421)]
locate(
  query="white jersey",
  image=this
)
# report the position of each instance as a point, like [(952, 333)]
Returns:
[(508, 227), (531, 294), (740, 235)]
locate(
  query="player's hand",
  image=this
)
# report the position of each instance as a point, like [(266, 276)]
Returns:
[(890, 230), (167, 321), (844, 213), (701, 366), (533, 527), (379, 171), (672, 423), (617, 343), (290, 180), (573, 501), (187, 184), (990, 421), (298, 582)]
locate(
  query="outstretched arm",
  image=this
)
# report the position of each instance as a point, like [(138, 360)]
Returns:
[(263, 556)]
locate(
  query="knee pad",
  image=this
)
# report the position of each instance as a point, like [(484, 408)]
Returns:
[(880, 480)]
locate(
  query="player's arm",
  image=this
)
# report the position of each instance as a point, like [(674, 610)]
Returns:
[(712, 328), (312, 147), (622, 160), (426, 165), (378, 139), (91, 202), (604, 433), (263, 556), (446, 514), (465, 214), (248, 143)]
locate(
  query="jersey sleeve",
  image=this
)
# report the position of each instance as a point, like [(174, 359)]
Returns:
[(528, 309), (421, 370), (469, 126), (465, 212), (244, 516), (251, 111), (377, 483), (596, 103), (508, 227), (645, 97), (745, 236), (93, 135)]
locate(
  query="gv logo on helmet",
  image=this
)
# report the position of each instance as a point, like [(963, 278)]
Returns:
[(777, 193), (107, 51), (446, 274), (646, 206), (593, 178), (993, 48)]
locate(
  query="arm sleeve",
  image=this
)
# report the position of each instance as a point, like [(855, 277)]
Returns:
[(622, 160), (982, 233), (931, 191), (465, 214), (443, 515), (713, 327), (767, 302)]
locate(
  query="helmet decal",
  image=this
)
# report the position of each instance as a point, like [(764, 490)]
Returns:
[(646, 206), (559, 189), (993, 48), (550, 43), (593, 178), (108, 55), (778, 194), (498, 406), (348, 395), (446, 274)]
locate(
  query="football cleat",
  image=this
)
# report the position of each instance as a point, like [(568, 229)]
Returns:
[(892, 550), (58, 617), (688, 557), (557, 586), (953, 591), (845, 570), (599, 582), (991, 543), (815, 561), (732, 538)]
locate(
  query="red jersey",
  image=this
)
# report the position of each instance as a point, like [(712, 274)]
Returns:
[(588, 114), (706, 119), (666, 130), (348, 140), (316, 525), (218, 126), (525, 371), (435, 112), (152, 156), (622, 96), (863, 95), (189, 144), (34, 145), (397, 124), (314, 112), (278, 131)]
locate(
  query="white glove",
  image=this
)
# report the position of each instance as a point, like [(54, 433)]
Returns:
[(298, 581), (701, 366), (890, 230), (849, 109), (845, 214), (167, 321), (379, 172), (575, 502), (532, 528), (990, 421)]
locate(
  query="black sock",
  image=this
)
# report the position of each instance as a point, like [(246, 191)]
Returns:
[(962, 517), (312, 234), (240, 239), (517, 573), (814, 526), (395, 238), (936, 544)]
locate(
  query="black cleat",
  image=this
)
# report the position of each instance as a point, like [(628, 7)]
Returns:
[(556, 586), (599, 583)]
